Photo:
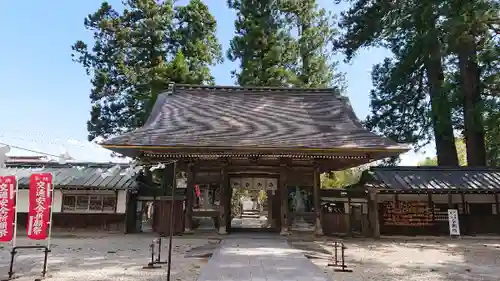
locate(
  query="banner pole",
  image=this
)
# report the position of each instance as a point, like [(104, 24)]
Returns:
[(14, 232), (50, 207)]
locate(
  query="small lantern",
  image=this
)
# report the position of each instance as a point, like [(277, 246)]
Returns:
[(271, 185)]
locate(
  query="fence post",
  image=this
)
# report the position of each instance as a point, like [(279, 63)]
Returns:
[(158, 259), (343, 266), (151, 264)]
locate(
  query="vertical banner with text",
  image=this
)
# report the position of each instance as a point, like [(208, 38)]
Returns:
[(40, 206), (8, 193)]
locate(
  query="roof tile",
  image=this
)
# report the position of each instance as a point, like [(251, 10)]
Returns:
[(203, 116)]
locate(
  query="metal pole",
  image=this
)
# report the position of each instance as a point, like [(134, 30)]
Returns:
[(45, 261), (152, 246), (51, 209), (14, 238), (343, 258), (11, 267), (336, 249), (172, 209), (14, 234), (159, 250), (47, 249)]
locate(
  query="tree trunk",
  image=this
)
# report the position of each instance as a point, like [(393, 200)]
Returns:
[(440, 105), (472, 103)]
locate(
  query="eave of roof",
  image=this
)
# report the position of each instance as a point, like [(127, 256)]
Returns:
[(436, 179), (77, 175)]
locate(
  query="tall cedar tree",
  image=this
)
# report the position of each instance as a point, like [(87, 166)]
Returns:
[(490, 78), (136, 53), (316, 31), (468, 26), (411, 28), (263, 47)]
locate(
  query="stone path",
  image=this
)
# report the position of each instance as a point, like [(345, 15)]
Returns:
[(247, 259)]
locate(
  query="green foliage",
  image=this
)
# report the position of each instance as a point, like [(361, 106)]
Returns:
[(135, 54), (284, 43), (340, 179), (461, 152), (315, 34), (264, 49), (419, 93)]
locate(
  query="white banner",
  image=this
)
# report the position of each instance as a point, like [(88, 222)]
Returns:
[(454, 224)]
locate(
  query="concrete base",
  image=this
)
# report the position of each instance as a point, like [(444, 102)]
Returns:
[(222, 230), (284, 231), (318, 229)]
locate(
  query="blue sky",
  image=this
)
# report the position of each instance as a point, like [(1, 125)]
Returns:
[(44, 94)]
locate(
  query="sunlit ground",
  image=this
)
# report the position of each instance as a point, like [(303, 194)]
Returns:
[(439, 259), (115, 257)]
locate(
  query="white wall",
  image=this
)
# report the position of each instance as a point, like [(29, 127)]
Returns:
[(121, 202), (23, 200)]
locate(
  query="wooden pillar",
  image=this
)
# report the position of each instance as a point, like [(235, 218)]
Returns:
[(224, 181), (349, 214), (465, 215), (373, 213), (430, 205), (188, 225), (284, 200), (270, 221), (497, 209), (318, 228)]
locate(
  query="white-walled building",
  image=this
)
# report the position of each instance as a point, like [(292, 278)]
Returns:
[(83, 197)]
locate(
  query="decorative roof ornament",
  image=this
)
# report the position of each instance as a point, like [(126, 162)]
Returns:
[(64, 158), (113, 171), (3, 155), (157, 167)]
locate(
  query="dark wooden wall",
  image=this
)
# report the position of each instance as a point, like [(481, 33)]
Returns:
[(71, 221), (162, 217)]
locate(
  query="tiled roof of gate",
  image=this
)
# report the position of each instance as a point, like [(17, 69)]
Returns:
[(436, 178), (215, 116), (74, 175)]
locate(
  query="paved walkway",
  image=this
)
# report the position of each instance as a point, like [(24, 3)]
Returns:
[(246, 259)]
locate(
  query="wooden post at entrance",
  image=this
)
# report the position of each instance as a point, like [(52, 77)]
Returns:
[(223, 205), (270, 221), (318, 228), (284, 200), (189, 199), (373, 213)]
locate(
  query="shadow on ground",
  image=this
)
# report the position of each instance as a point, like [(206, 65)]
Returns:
[(108, 258)]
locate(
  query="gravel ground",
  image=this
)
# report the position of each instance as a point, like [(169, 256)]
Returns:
[(109, 257), (412, 260)]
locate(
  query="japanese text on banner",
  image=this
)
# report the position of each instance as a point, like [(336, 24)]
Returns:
[(40, 202), (8, 189)]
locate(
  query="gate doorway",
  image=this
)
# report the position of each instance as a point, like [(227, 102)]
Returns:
[(250, 208)]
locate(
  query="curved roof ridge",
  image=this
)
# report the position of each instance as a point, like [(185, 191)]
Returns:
[(251, 89)]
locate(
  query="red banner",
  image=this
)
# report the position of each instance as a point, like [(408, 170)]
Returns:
[(197, 190), (40, 202), (8, 189)]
